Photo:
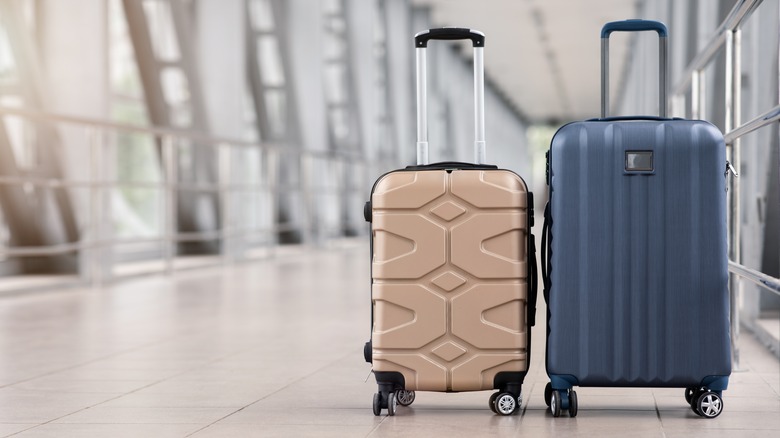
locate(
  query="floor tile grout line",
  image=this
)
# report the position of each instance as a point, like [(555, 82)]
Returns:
[(658, 414), (119, 353), (371, 432), (91, 361), (272, 393), (108, 356), (130, 392), (23, 430), (525, 402)]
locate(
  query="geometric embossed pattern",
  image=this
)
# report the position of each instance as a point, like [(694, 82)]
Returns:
[(448, 281), (448, 211), (424, 266), (428, 252), (412, 333), (484, 264), (449, 351), (470, 306)]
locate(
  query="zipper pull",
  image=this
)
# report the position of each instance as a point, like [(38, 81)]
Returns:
[(730, 168)]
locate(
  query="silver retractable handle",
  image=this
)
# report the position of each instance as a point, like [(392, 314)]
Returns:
[(634, 26), (421, 43)]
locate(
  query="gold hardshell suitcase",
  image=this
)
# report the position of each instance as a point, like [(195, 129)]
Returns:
[(453, 272)]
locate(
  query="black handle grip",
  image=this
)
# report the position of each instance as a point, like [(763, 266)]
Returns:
[(444, 165), (450, 33)]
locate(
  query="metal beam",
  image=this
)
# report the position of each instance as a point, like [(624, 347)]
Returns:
[(738, 14), (195, 211), (22, 209), (769, 283)]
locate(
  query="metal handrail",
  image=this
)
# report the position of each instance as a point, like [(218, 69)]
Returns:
[(97, 185), (767, 118), (769, 283), (197, 236), (209, 140), (728, 34), (738, 14)]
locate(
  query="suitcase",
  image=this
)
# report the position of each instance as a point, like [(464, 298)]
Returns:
[(634, 253), (453, 278)]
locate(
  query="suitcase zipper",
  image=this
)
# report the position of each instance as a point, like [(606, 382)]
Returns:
[(730, 168)]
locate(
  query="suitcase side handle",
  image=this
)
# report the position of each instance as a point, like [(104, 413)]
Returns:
[(634, 26), (546, 253), (421, 42)]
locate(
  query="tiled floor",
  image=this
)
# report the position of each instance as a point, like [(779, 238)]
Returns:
[(274, 348)]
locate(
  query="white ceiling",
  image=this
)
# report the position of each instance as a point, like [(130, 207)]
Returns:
[(543, 54)]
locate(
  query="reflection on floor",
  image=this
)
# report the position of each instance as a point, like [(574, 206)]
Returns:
[(274, 348)]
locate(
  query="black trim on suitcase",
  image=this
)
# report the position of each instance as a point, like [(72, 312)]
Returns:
[(452, 165)]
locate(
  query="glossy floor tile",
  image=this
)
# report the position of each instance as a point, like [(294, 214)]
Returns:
[(274, 348)]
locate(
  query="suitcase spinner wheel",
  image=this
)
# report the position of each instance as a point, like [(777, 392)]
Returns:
[(392, 404), (561, 400), (492, 402), (548, 394), (502, 407), (505, 403), (707, 404), (689, 393), (391, 401), (404, 397), (555, 404), (572, 403), (377, 404)]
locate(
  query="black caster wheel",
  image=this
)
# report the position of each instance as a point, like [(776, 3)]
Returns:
[(492, 402), (572, 403), (377, 404), (689, 393), (555, 404), (709, 404), (520, 401), (392, 404), (505, 404), (695, 398), (404, 397), (548, 393)]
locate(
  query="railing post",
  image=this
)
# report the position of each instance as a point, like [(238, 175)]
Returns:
[(698, 95), (170, 164), (223, 192), (732, 120), (96, 218), (272, 163), (310, 231)]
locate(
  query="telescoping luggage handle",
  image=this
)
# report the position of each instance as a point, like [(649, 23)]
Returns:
[(420, 43), (633, 26)]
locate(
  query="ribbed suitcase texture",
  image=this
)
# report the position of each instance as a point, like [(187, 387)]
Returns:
[(450, 277), (639, 258)]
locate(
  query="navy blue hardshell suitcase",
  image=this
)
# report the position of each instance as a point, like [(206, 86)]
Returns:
[(636, 263)]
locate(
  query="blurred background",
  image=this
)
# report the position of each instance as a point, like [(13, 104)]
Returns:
[(148, 136)]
